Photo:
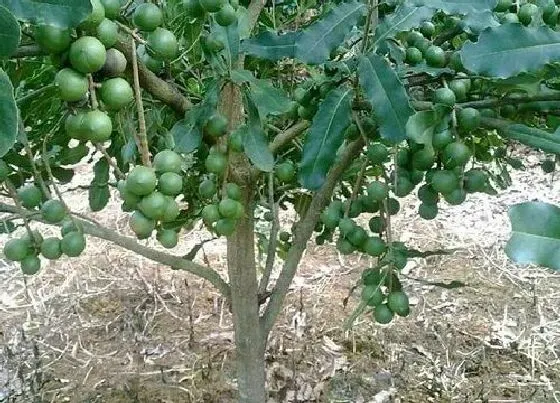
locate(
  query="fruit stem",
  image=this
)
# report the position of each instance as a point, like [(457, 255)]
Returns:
[(357, 186), (118, 173), (371, 20), (272, 239), (13, 194), (92, 93), (29, 152), (141, 137), (132, 33)]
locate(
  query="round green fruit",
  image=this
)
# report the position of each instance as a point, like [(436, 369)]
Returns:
[(207, 189), (73, 244), (357, 237), (393, 206), (172, 210), (116, 93), (162, 44), (378, 191), (147, 17), (526, 13), (548, 166), (213, 43), (210, 214), (413, 56), (216, 126), (151, 63), (398, 303), (72, 85), (168, 238), (212, 6), (346, 226), (468, 119), (30, 196), (107, 32), (115, 63), (377, 153), (229, 208), (112, 8), (141, 225), (216, 163), (235, 141), (285, 172), (53, 211), (225, 226), (377, 225), (427, 194), (445, 182), (97, 126), (30, 265), (170, 183), (455, 197), (428, 29), (141, 181), (445, 97), (372, 295), (51, 248), (68, 225), (153, 205), (403, 186), (330, 218), (226, 16), (475, 180), (233, 191), (16, 249), (34, 239), (382, 314), (374, 246), (194, 8), (459, 88), (51, 38), (168, 161), (97, 15), (344, 246), (413, 37), (456, 155), (441, 139), (87, 54), (423, 159), (74, 126), (428, 211), (503, 5), (284, 236), (435, 56)]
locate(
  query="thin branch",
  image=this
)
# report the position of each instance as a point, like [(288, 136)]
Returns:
[(272, 239), (92, 93), (131, 32), (253, 12), (519, 99), (142, 136), (36, 174), (303, 231), (28, 50), (175, 262), (34, 93), (118, 173), (288, 135)]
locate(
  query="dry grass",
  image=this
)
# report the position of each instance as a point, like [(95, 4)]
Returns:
[(112, 327)]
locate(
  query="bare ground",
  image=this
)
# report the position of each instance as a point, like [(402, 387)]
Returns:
[(113, 327)]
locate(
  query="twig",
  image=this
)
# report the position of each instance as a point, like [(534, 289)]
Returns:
[(118, 173), (287, 135), (34, 93), (141, 137), (131, 32), (272, 239), (92, 92), (36, 175), (357, 186)]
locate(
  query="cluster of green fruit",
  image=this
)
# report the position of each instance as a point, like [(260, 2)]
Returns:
[(308, 96), (224, 11), (420, 48), (383, 292), (221, 216), (527, 12), (150, 192)]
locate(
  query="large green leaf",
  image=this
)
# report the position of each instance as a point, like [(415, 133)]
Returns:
[(325, 137), (404, 18), (98, 194), (8, 114), (510, 49), (255, 142), (269, 99), (458, 6), (230, 38), (387, 96), (314, 43), (10, 34), (530, 136), (63, 13), (422, 125), (535, 234)]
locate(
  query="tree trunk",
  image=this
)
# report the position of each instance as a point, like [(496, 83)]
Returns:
[(242, 269)]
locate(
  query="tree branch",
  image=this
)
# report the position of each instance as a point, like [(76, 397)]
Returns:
[(142, 136), (288, 135), (175, 262), (303, 231), (515, 100), (28, 50), (272, 239)]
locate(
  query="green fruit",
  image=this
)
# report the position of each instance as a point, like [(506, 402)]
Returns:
[(53, 211), (87, 54), (441, 139), (74, 126), (116, 93), (72, 86), (455, 197), (225, 226), (459, 88), (226, 16), (112, 8), (172, 210), (147, 17), (216, 126), (233, 191), (194, 8), (393, 206), (413, 56), (503, 5), (369, 125), (428, 211), (207, 189), (413, 37), (427, 194), (445, 97), (423, 159), (73, 244), (141, 181), (378, 191), (510, 18), (445, 182), (141, 225), (382, 314), (346, 226), (153, 205), (216, 164), (126, 195), (403, 186), (30, 265), (508, 111), (68, 225), (374, 246), (32, 240), (30, 196), (331, 218), (435, 56), (170, 183), (16, 249), (162, 44), (284, 236), (97, 126), (51, 248), (468, 119), (526, 13), (456, 155), (377, 153), (168, 161), (213, 43), (4, 171), (357, 237), (548, 166), (397, 302), (377, 225), (428, 29), (212, 6), (168, 238), (423, 45), (235, 141), (115, 63), (51, 38), (402, 158), (152, 64), (285, 172), (352, 132), (229, 208), (344, 246), (269, 216), (97, 15), (475, 180), (107, 32), (372, 295), (210, 214)]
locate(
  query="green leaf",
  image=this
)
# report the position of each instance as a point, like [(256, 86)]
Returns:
[(255, 142), (10, 34), (404, 18), (325, 137), (98, 194), (230, 38), (421, 126), (387, 95), (458, 6), (474, 23), (497, 54), (70, 156), (8, 114), (62, 13), (269, 99), (314, 43), (530, 136), (535, 234)]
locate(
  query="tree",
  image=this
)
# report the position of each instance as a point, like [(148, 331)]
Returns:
[(339, 112)]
